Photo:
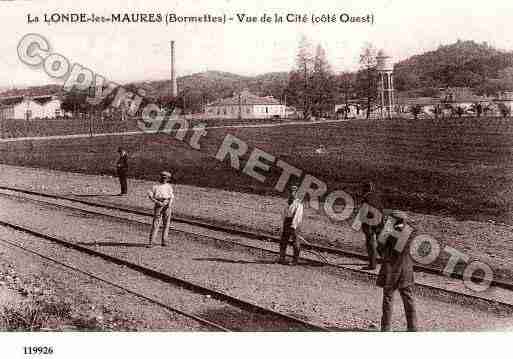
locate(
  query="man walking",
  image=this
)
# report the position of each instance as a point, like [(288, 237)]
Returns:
[(122, 170), (292, 217), (162, 196), (396, 274), (372, 199)]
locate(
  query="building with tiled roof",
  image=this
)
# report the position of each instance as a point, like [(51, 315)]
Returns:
[(245, 105), (23, 107)]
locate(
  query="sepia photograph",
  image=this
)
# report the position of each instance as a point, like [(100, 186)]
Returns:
[(295, 173)]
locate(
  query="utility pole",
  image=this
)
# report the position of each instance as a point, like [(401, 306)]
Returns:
[(305, 100), (240, 102), (285, 110)]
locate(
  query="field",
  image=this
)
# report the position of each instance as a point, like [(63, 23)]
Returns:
[(36, 128), (458, 167)]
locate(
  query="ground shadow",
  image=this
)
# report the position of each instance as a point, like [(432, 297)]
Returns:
[(247, 321), (261, 261), (112, 244), (96, 195)]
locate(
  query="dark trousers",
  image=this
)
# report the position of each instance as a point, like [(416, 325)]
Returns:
[(122, 174), (288, 234), (409, 308), (371, 243)]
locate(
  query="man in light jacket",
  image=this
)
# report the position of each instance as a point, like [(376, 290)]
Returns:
[(162, 196), (292, 217)]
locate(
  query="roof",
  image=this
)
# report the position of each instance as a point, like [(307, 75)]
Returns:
[(246, 98), (43, 99), (423, 101), (13, 101)]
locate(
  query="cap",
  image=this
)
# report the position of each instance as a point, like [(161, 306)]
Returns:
[(399, 214), (165, 174)]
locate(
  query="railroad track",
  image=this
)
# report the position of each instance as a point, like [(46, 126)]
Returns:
[(252, 235), (199, 319), (235, 231), (259, 317)]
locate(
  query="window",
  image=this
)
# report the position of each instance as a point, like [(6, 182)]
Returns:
[(57, 112), (266, 110), (28, 114)]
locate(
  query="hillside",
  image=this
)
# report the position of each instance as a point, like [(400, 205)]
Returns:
[(462, 64), (207, 86)]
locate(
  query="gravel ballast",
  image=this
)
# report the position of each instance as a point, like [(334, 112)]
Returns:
[(330, 298)]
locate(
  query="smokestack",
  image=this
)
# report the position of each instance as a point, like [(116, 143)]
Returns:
[(174, 87)]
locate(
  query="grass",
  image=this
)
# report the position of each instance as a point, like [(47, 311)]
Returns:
[(44, 313), (34, 315), (459, 167)]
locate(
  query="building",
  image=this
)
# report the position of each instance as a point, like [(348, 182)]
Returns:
[(443, 103), (385, 70), (246, 105), (39, 107)]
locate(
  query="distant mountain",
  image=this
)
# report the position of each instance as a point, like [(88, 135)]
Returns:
[(32, 91), (205, 87), (462, 64)]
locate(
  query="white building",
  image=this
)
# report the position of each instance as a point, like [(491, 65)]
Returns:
[(245, 105), (30, 107)]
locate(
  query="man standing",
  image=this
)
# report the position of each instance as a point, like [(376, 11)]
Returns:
[(372, 199), (292, 217), (122, 170), (396, 274), (162, 196)]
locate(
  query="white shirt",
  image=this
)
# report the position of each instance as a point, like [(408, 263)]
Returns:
[(294, 211), (162, 191)]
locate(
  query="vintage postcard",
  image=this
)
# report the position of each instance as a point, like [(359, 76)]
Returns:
[(311, 174)]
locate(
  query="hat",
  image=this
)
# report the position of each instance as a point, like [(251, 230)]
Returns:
[(399, 214), (165, 174), (294, 188)]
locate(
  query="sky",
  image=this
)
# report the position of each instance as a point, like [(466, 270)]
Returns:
[(138, 52)]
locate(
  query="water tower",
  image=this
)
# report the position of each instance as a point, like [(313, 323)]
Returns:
[(385, 70)]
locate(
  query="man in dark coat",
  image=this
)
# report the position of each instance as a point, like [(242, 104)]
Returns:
[(372, 198), (396, 274), (122, 170)]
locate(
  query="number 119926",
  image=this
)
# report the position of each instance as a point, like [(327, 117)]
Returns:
[(38, 350)]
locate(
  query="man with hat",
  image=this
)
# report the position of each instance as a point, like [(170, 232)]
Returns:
[(396, 273), (372, 198), (122, 170), (292, 217), (162, 196)]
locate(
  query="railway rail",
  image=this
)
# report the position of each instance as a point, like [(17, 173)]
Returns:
[(236, 231), (252, 235), (264, 318), (199, 319)]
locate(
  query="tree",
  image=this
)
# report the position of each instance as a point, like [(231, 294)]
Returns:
[(368, 74), (416, 110), (479, 108), (459, 110), (75, 102), (323, 84), (304, 64), (504, 109), (437, 110)]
